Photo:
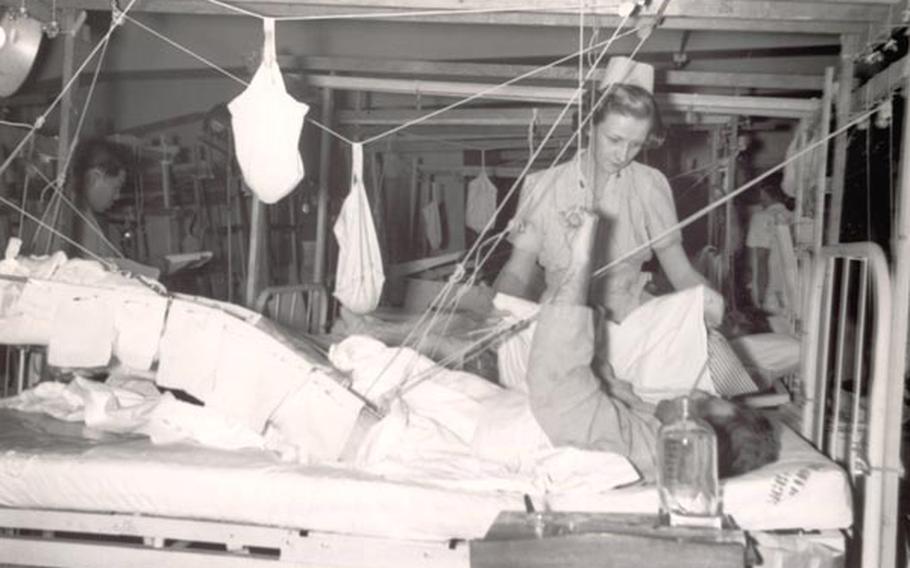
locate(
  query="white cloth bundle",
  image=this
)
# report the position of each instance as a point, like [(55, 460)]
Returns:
[(432, 222), (662, 346), (359, 276), (267, 121), (481, 205)]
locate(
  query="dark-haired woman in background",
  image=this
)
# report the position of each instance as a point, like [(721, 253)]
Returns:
[(98, 176)]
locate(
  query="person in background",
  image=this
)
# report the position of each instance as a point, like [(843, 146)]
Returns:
[(98, 175), (773, 208)]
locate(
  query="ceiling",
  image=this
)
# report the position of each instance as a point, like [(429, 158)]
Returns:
[(713, 57)]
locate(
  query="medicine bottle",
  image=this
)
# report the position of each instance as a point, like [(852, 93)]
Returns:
[(687, 471)]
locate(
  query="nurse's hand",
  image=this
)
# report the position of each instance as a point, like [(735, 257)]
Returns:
[(714, 308)]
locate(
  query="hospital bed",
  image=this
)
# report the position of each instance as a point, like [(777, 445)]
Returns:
[(70, 496)]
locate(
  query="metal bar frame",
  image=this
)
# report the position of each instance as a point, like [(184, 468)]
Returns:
[(885, 386)]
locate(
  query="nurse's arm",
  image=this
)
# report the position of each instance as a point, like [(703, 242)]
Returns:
[(679, 270), (683, 275)]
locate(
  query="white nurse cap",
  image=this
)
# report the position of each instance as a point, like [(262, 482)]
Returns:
[(630, 72)]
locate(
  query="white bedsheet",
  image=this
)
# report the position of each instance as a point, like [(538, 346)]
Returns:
[(50, 464), (803, 489)]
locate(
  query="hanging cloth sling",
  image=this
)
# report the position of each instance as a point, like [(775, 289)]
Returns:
[(481, 203), (267, 122), (359, 276), (432, 218)]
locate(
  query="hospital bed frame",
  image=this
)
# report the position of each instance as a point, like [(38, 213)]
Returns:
[(76, 539), (833, 353)]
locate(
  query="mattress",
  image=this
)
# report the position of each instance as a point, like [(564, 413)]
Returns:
[(801, 490), (50, 464)]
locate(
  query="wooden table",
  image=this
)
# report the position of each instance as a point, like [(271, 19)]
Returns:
[(567, 540)]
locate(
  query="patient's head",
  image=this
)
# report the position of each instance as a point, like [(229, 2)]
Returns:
[(746, 439)]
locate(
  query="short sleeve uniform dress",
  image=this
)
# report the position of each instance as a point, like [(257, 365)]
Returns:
[(635, 205)]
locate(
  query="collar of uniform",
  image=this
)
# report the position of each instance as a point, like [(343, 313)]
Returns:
[(588, 169)]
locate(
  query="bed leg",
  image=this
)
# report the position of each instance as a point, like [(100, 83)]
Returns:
[(20, 371)]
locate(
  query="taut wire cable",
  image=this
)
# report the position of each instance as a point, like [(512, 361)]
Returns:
[(687, 221), (568, 105), (58, 183), (443, 298), (408, 124), (583, 121), (39, 122), (15, 124), (493, 88), (60, 194), (733, 194)]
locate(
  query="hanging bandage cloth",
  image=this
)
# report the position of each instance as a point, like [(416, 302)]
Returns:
[(481, 205), (267, 121), (432, 218), (359, 276)]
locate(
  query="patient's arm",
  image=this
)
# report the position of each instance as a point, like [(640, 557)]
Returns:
[(567, 398), (521, 276), (518, 276)]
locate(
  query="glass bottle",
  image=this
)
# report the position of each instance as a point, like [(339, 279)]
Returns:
[(687, 472)]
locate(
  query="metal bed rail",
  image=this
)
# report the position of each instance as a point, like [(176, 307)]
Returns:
[(303, 307), (845, 349)]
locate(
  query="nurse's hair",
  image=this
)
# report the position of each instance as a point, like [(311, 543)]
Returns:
[(627, 100)]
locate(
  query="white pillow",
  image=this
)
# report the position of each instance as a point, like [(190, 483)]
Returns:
[(771, 354)]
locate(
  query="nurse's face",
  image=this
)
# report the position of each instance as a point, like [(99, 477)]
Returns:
[(618, 138)]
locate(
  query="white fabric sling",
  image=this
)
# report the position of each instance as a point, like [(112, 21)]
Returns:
[(481, 204), (267, 121), (359, 276)]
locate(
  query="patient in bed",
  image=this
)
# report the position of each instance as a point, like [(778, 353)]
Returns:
[(576, 407)]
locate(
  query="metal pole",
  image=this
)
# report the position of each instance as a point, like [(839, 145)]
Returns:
[(900, 275), (844, 100), (63, 135), (20, 371), (254, 266), (322, 207), (713, 183), (729, 211), (822, 182)]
